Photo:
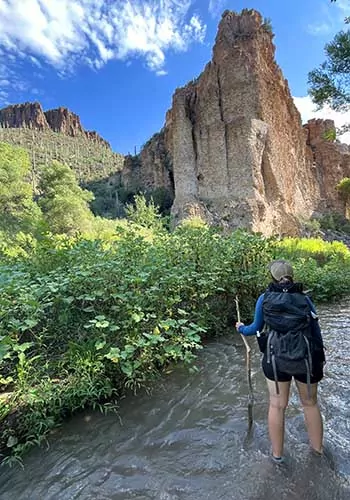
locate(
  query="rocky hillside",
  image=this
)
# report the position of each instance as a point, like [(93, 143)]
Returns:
[(235, 149), (59, 135)]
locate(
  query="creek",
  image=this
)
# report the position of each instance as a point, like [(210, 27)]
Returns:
[(187, 439)]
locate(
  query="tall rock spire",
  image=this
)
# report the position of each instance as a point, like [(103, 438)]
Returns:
[(235, 136)]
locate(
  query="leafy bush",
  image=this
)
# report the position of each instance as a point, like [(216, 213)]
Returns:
[(63, 202), (335, 222), (144, 213), (320, 250), (344, 187), (324, 267)]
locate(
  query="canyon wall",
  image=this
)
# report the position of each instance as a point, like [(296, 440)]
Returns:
[(235, 136)]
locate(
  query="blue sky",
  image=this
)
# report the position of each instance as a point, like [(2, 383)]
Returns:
[(116, 63)]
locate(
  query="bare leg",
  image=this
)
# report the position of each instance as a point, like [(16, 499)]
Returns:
[(312, 415), (277, 409)]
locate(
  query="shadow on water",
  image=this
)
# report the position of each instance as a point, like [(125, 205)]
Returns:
[(188, 439)]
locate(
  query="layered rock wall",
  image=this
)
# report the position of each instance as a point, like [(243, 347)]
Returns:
[(151, 169), (64, 121), (331, 161)]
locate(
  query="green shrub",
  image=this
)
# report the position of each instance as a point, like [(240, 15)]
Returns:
[(144, 213), (335, 222), (18, 211), (316, 248)]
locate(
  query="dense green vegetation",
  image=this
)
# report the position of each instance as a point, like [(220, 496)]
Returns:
[(90, 308), (344, 190)]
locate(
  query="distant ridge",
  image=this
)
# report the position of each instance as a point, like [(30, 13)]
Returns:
[(31, 115)]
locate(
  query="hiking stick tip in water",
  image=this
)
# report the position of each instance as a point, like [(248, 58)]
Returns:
[(249, 371)]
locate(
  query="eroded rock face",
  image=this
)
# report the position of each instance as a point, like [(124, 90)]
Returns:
[(151, 171), (331, 162), (64, 121), (29, 115), (237, 149), (94, 136), (235, 135)]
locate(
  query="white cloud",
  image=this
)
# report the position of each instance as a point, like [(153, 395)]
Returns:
[(216, 7), (9, 80), (307, 109), (321, 28), (344, 7), (64, 32), (330, 18), (4, 97)]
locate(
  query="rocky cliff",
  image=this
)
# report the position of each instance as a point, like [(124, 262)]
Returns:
[(235, 135), (31, 115), (151, 170), (331, 161), (64, 121), (28, 115), (235, 144)]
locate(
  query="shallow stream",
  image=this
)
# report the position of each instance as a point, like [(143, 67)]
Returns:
[(188, 438)]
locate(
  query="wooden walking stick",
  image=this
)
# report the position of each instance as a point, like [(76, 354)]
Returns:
[(249, 371)]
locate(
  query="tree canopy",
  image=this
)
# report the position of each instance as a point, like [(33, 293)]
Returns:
[(63, 202), (330, 82), (59, 204), (18, 210)]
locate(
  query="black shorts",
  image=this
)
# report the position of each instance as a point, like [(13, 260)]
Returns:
[(317, 372)]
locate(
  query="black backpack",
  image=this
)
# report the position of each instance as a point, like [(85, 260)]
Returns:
[(288, 340)]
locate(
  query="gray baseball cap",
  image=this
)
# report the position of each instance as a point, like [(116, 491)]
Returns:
[(281, 269)]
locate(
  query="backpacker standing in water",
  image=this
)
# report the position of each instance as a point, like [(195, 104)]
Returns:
[(289, 335)]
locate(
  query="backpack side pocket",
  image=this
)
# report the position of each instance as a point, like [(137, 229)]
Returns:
[(262, 337)]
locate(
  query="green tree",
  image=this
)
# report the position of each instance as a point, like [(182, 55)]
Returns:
[(143, 213), (344, 189), (330, 82), (18, 211), (63, 202)]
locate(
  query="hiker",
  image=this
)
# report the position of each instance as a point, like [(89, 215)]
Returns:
[(289, 335)]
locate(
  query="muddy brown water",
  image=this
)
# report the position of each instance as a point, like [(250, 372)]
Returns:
[(188, 438)]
